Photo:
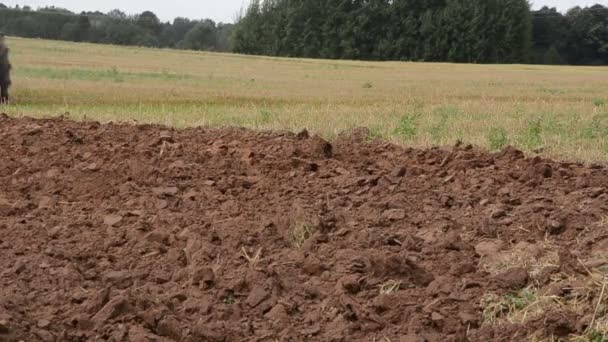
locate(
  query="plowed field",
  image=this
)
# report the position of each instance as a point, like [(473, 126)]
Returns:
[(117, 232)]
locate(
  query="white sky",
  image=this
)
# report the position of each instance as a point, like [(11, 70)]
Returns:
[(218, 10)]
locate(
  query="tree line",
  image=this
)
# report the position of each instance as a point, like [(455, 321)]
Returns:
[(467, 31), (115, 27), (580, 37)]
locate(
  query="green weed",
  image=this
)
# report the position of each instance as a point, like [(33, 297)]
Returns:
[(265, 116), (592, 336), (407, 127), (532, 137), (552, 91), (445, 114), (376, 133), (598, 128), (111, 74), (498, 138), (512, 306), (597, 336)]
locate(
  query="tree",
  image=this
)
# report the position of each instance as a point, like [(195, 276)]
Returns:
[(172, 35), (122, 33), (549, 29), (51, 9), (468, 31), (201, 37), (69, 32), (587, 37), (83, 26), (485, 31), (115, 27), (248, 34), (117, 14), (223, 37), (552, 56), (149, 22)]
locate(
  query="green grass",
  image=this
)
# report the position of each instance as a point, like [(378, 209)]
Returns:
[(108, 75), (407, 127), (498, 138), (512, 307), (532, 138), (557, 108)]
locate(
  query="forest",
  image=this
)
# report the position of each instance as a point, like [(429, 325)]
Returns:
[(467, 31), (463, 31), (115, 27)]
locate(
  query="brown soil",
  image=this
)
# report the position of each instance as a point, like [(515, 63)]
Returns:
[(146, 233)]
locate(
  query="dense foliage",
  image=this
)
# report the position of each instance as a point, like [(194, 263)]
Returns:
[(578, 37), (115, 27), (478, 31), (483, 31)]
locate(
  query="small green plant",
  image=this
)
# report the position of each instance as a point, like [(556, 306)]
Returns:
[(552, 91), (300, 232), (597, 336), (599, 102), (522, 300), (112, 74), (533, 138), (498, 138), (494, 307), (444, 115), (375, 133), (513, 307), (407, 127), (593, 335), (265, 116), (597, 128), (367, 85), (115, 75), (447, 112)]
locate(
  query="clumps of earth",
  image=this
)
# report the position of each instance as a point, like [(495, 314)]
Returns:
[(118, 232)]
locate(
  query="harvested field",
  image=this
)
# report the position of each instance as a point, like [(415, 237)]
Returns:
[(559, 111), (120, 232)]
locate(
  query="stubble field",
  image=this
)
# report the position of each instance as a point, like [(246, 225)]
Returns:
[(561, 111)]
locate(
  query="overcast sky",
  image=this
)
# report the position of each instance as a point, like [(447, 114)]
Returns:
[(218, 10)]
